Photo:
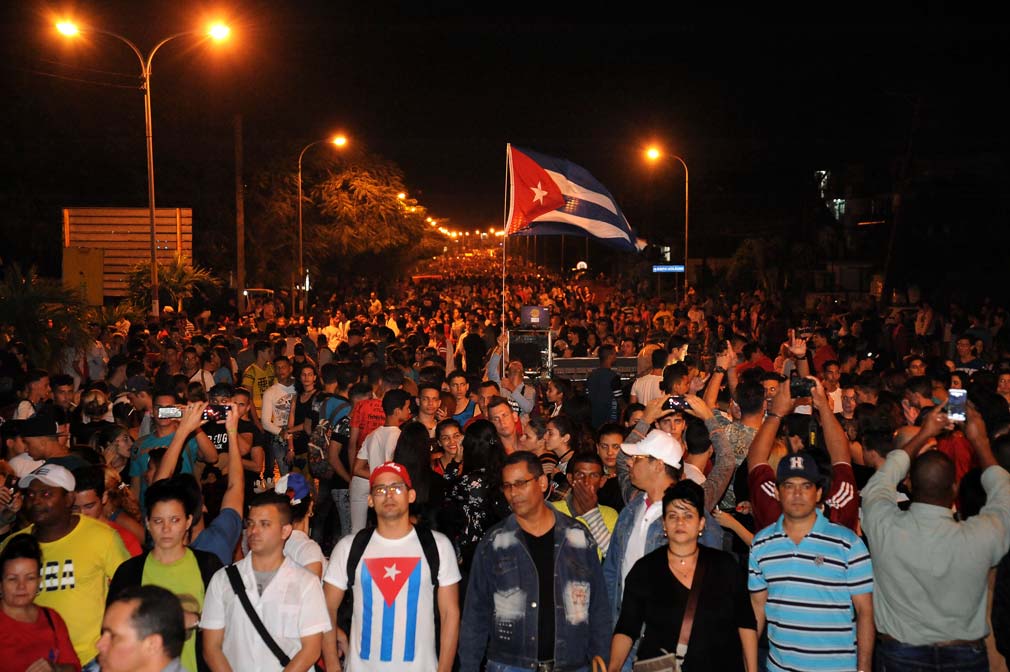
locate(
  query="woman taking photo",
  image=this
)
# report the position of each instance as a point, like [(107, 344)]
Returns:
[(32, 638), (722, 632)]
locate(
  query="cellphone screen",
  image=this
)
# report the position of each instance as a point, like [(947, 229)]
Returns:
[(957, 405)]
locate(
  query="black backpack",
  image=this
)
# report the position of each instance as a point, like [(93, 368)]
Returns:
[(361, 539)]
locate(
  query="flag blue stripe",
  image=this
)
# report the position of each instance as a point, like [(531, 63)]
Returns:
[(413, 592), (366, 612), (388, 625)]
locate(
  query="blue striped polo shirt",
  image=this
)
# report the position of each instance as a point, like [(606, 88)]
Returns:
[(809, 612)]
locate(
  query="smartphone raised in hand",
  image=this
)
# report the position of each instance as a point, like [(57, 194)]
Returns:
[(957, 405)]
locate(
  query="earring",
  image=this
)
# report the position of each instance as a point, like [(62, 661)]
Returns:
[(701, 533)]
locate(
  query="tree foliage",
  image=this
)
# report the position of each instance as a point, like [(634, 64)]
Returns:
[(48, 317), (178, 281), (352, 221)]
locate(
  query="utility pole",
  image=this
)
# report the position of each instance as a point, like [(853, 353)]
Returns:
[(239, 218)]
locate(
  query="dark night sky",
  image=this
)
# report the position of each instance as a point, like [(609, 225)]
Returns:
[(754, 107)]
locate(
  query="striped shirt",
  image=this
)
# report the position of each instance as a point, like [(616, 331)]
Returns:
[(809, 612)]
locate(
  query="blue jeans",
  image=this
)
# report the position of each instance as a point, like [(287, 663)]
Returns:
[(498, 667), (91, 666), (342, 500), (891, 656)]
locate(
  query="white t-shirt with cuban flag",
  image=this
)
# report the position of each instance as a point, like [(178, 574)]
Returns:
[(392, 625)]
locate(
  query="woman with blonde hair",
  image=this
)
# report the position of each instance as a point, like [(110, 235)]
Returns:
[(120, 503)]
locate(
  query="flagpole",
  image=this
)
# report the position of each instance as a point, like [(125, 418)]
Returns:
[(504, 243)]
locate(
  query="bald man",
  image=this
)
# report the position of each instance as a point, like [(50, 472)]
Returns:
[(930, 570)]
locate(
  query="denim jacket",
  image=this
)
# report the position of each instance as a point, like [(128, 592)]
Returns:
[(501, 606)]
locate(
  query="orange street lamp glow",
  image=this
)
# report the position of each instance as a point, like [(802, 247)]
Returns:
[(340, 141), (653, 154), (219, 32), (68, 28), (401, 195)]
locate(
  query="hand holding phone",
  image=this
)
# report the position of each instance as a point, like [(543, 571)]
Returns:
[(957, 405)]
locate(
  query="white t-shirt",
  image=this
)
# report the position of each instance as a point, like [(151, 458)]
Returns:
[(392, 584), (379, 446), (646, 388), (636, 541), (303, 550)]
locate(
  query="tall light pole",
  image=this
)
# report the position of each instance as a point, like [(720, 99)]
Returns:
[(218, 32), (338, 141), (653, 154)]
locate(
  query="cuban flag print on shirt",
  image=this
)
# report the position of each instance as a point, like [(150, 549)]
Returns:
[(391, 590)]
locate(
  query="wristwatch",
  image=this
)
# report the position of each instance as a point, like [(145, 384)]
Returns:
[(719, 369)]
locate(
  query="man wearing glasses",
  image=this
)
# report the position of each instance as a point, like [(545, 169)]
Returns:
[(536, 599), (391, 577), (585, 475)]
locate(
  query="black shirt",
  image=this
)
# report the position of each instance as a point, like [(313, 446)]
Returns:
[(655, 598), (542, 551)]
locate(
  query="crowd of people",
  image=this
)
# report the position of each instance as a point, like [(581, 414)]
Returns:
[(381, 486)]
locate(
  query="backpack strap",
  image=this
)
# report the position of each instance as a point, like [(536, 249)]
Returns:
[(430, 549), (239, 588), (358, 546)]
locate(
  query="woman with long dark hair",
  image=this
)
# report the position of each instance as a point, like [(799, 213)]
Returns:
[(476, 502), (413, 452)]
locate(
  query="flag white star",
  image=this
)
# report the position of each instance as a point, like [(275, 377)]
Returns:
[(538, 194), (391, 572)]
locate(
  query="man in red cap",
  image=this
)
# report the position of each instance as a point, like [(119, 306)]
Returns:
[(391, 569)]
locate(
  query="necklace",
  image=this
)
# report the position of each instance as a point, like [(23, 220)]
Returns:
[(683, 558)]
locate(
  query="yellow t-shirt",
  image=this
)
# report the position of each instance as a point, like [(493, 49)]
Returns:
[(76, 571), (182, 577)]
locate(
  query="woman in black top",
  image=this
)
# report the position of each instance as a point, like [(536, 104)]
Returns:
[(724, 634)]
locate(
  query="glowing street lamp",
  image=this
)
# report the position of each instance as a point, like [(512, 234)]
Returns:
[(338, 141), (218, 32), (654, 154)]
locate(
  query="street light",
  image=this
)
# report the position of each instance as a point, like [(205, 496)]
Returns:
[(218, 32), (337, 141), (654, 154)]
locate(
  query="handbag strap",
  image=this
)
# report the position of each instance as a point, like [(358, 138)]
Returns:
[(692, 604), (239, 588)]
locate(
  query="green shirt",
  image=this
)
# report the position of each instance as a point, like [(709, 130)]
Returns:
[(182, 577), (930, 571)]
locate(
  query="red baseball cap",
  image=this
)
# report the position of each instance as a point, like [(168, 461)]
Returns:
[(390, 468)]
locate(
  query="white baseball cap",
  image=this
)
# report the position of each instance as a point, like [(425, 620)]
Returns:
[(51, 474), (659, 445)]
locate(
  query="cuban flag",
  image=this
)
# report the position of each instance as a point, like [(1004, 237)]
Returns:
[(391, 592), (550, 196)]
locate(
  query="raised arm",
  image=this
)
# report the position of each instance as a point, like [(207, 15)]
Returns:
[(192, 418), (234, 494), (835, 438), (723, 462), (725, 362), (761, 447)]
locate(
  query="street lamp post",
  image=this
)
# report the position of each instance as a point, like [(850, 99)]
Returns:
[(218, 32), (653, 154), (338, 141)]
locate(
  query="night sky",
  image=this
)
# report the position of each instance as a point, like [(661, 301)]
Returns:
[(754, 107)]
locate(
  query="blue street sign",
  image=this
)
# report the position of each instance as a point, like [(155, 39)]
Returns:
[(668, 268)]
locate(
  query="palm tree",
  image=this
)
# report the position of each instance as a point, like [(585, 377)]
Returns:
[(48, 317), (179, 279)]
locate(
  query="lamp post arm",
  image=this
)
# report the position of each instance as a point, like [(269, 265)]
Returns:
[(687, 182)]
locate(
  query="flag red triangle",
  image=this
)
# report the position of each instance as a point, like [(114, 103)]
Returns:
[(534, 192), (389, 574)]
